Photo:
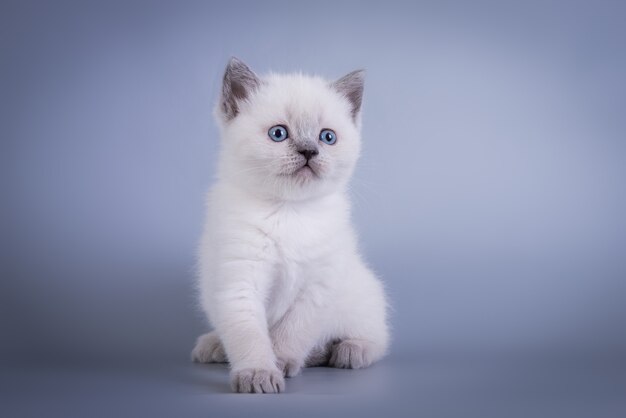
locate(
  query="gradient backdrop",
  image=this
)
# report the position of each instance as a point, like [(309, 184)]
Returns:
[(490, 197)]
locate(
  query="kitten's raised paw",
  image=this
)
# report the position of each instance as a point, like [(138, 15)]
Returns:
[(257, 381), (289, 367), (208, 349), (351, 354)]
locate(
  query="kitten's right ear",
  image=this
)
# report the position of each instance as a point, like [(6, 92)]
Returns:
[(239, 82)]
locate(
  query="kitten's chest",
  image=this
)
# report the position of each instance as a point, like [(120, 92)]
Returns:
[(301, 238)]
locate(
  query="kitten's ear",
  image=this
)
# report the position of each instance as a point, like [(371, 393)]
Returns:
[(239, 82), (351, 86)]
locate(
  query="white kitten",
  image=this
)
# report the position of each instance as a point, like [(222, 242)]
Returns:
[(280, 275)]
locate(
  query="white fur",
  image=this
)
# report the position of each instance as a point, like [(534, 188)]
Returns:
[(280, 275)]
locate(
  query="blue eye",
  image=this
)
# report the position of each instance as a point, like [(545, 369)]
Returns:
[(278, 133), (328, 137)]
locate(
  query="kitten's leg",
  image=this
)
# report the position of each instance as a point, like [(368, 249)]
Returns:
[(298, 332), (241, 323), (362, 331), (209, 349)]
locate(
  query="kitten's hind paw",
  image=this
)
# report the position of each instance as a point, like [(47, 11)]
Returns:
[(351, 354), (208, 349), (257, 381)]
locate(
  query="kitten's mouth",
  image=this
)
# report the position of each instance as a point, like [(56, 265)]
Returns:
[(302, 173), (305, 170)]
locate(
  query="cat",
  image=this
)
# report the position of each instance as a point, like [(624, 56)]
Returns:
[(280, 276)]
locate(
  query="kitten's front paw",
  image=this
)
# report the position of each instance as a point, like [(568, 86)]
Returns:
[(351, 354), (208, 349), (257, 381), (289, 367)]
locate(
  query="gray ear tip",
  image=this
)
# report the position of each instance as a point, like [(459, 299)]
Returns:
[(354, 77), (234, 62), (360, 75)]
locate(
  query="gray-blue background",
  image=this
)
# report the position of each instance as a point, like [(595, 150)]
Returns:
[(490, 198)]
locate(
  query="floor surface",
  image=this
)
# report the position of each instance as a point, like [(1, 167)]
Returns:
[(428, 385)]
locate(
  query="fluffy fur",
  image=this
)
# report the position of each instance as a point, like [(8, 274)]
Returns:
[(280, 276)]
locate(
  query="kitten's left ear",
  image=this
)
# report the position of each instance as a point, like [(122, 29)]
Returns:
[(351, 86)]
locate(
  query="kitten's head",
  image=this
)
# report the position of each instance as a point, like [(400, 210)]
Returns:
[(289, 137)]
